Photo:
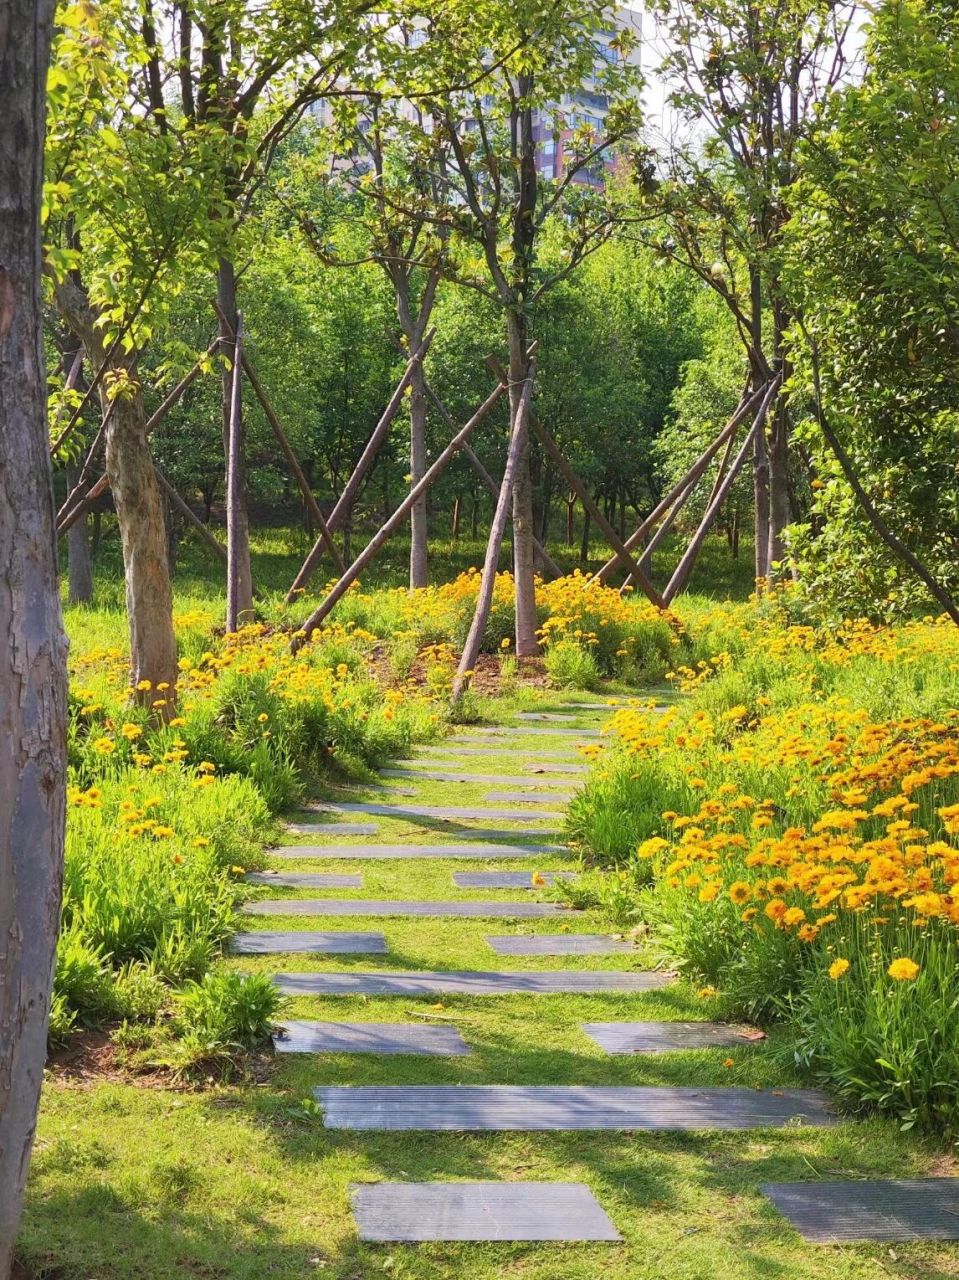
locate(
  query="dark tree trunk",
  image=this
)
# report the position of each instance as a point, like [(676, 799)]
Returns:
[(779, 508), (455, 527), (419, 519), (584, 542), (570, 514), (33, 706), (474, 514), (522, 488), (79, 566), (761, 505), (242, 571)]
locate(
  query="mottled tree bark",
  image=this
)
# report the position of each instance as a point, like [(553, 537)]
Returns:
[(79, 565), (524, 586), (33, 672), (140, 514)]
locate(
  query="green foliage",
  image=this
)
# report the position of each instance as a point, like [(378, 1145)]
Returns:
[(570, 666)]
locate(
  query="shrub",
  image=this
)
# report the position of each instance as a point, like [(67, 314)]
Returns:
[(225, 1013), (570, 666)]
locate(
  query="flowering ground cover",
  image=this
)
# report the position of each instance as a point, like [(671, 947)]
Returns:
[(788, 830)]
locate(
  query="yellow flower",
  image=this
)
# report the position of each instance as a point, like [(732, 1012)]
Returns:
[(838, 968), (903, 969), (740, 892), (144, 685), (131, 732), (200, 842), (104, 747), (262, 717)]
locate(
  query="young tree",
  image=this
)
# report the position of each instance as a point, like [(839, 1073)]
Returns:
[(747, 80), (538, 56), (33, 698)]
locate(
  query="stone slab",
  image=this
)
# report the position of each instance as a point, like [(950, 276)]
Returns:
[(370, 1037), (554, 717), (333, 828), (477, 851), (663, 1037), (443, 812), (420, 1211), (558, 944), (396, 983), (492, 750), (528, 797), (391, 907), (451, 774), (843, 1212), (305, 879), (537, 769), (264, 942), (565, 1107), (525, 730), (506, 879)]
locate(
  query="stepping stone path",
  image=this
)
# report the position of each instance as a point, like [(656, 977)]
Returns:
[(334, 828), (305, 879), (370, 1037), (419, 1211), (379, 852), (391, 907), (468, 983), (540, 753), (451, 775), (662, 1037), (844, 1212), (440, 811), (523, 1108), (559, 944), (508, 879), (264, 942)]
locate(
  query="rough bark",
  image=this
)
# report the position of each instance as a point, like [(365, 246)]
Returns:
[(79, 566), (139, 507), (761, 506), (241, 578), (455, 526), (780, 513), (523, 522), (33, 706)]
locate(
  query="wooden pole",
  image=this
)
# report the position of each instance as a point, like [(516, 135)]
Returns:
[(395, 520), (484, 600), (67, 520), (546, 561), (684, 568), (692, 475), (194, 521), (233, 481), (344, 506), (296, 470)]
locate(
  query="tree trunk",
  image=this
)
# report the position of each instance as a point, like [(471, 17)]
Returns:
[(455, 527), (779, 508), (570, 513), (474, 515), (522, 489), (33, 706), (517, 448), (761, 505), (79, 567), (149, 593), (584, 543), (241, 576), (419, 522)]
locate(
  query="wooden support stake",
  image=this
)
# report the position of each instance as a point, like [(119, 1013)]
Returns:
[(396, 519), (692, 475), (80, 508), (517, 445), (233, 547), (341, 512), (546, 561), (684, 568), (296, 470), (194, 521)]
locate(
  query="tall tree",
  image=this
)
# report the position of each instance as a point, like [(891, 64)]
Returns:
[(747, 80), (533, 61), (33, 680)]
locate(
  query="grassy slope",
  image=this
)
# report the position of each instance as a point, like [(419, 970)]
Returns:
[(243, 1181)]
